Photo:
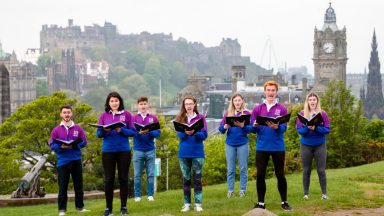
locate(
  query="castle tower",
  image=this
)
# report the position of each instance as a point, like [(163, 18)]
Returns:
[(374, 101), (238, 78), (5, 95), (329, 52)]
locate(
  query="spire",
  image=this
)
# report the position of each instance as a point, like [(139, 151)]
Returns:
[(330, 19), (374, 103)]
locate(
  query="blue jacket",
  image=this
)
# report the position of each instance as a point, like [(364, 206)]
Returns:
[(74, 132), (236, 136), (316, 137), (269, 139), (192, 146), (112, 140), (145, 142)]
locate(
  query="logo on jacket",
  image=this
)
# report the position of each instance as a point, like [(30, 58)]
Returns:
[(122, 118), (75, 133), (150, 120), (277, 112)]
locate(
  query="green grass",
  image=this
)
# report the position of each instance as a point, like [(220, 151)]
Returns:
[(357, 187)]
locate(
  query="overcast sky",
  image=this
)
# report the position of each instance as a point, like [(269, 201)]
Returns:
[(288, 23)]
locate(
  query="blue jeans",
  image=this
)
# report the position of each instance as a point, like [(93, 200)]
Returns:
[(187, 166), (242, 154), (74, 169), (141, 159)]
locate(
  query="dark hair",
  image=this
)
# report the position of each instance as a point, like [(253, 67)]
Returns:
[(67, 106), (181, 116), (142, 99), (115, 95)]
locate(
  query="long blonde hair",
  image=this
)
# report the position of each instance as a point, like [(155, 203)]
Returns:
[(231, 107), (307, 113), (181, 116)]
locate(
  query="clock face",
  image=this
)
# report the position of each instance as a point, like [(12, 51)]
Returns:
[(328, 47)]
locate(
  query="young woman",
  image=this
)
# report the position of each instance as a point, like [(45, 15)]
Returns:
[(191, 152), (313, 143), (116, 149), (236, 144)]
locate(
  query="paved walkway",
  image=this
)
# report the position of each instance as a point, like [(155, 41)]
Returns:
[(6, 201)]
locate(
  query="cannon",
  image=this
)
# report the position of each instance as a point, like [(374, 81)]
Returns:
[(29, 185)]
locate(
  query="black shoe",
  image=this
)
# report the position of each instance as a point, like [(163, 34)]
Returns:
[(258, 205), (124, 211), (108, 212), (286, 207)]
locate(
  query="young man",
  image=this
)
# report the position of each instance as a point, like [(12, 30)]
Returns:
[(144, 148), (270, 142), (69, 159)]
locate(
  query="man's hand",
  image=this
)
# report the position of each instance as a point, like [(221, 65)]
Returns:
[(144, 131), (272, 125), (312, 127), (66, 146), (118, 129), (226, 126)]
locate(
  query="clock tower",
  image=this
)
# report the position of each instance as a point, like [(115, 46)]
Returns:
[(329, 52)]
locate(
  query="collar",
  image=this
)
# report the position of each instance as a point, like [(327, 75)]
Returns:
[(118, 112), (191, 117), (143, 115), (71, 125)]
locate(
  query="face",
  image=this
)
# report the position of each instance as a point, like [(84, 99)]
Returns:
[(237, 102), (66, 114), (270, 93), (189, 105), (142, 106), (312, 102), (114, 103)]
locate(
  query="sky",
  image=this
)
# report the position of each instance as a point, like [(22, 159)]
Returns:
[(288, 25)]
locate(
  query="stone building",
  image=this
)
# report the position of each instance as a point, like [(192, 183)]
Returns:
[(64, 75), (5, 95), (211, 61), (22, 80), (329, 52)]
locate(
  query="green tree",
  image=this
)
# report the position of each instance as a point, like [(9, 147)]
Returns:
[(345, 142), (28, 130)]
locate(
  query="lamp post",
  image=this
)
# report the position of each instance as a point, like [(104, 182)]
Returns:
[(165, 149)]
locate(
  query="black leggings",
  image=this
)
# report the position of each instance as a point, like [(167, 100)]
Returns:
[(109, 160), (278, 158)]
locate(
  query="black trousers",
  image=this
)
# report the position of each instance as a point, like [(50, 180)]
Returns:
[(278, 158), (74, 169), (123, 161)]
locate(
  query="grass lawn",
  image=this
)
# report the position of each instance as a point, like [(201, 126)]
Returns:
[(357, 187)]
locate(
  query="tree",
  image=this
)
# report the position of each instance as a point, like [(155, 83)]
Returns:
[(344, 143), (27, 131)]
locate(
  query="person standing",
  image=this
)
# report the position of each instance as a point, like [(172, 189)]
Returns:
[(69, 159), (144, 154), (115, 150), (270, 143), (191, 152), (236, 144), (313, 144)]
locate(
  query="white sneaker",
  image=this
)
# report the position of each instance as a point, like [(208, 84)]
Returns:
[(150, 199), (83, 210), (230, 194), (198, 207), (137, 199), (61, 213), (186, 207), (242, 193), (324, 197), (305, 197)]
